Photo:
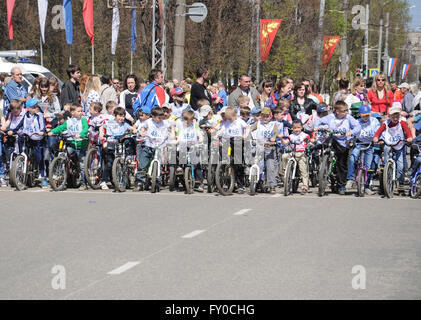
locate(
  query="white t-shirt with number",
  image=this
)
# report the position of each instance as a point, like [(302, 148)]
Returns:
[(233, 129), (157, 133)]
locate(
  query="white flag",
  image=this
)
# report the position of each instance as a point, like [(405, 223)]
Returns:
[(42, 12), (115, 27)]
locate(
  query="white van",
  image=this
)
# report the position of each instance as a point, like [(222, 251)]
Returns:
[(29, 72)]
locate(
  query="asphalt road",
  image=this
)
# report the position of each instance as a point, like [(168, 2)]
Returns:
[(175, 246)]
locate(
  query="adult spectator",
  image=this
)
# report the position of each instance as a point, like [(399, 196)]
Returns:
[(282, 92), (70, 92), (47, 100), (343, 91), (198, 89), (108, 92), (153, 95), (407, 101), (176, 83), (54, 86), (116, 84), (380, 96), (14, 90), (222, 93), (128, 96), (312, 91), (92, 93), (244, 89), (357, 97), (397, 94), (301, 103)]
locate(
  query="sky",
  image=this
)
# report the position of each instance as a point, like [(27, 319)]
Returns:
[(415, 14)]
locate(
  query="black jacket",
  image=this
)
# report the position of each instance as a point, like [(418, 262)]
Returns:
[(70, 93), (309, 106)]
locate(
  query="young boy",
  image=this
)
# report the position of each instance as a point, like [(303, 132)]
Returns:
[(265, 131), (116, 127), (95, 121), (245, 114), (156, 132), (395, 131), (235, 128), (109, 107), (33, 125), (301, 139), (346, 127), (188, 134), (77, 126), (369, 126), (179, 104)]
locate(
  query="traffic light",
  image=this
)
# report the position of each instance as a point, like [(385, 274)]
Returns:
[(365, 70), (359, 72)]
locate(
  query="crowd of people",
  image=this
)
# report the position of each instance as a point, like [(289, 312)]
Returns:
[(283, 114)]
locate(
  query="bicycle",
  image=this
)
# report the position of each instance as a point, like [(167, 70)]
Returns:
[(361, 176), (189, 174), (327, 171), (24, 171), (257, 172), (291, 178), (415, 184), (65, 168), (93, 164), (124, 165), (390, 171), (155, 168)]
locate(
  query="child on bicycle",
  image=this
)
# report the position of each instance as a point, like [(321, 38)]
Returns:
[(369, 126), (14, 118), (345, 126), (116, 127), (300, 140), (95, 121), (2, 167), (33, 125), (155, 130), (235, 128), (267, 131), (395, 132), (77, 127), (188, 134)]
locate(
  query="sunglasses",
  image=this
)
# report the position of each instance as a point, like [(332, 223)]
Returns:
[(382, 80), (268, 86)]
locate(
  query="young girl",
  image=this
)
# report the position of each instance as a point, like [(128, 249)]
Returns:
[(300, 139), (345, 127)]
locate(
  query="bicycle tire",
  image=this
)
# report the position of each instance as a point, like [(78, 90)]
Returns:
[(171, 180), (415, 190), (361, 183), (154, 177), (58, 174), (388, 182), (223, 174), (119, 175), (253, 184), (210, 178), (188, 180), (323, 176), (17, 176), (288, 179), (93, 179)]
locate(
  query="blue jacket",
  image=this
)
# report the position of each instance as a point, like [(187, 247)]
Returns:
[(149, 97)]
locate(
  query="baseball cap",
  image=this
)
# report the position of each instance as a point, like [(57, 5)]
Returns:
[(404, 85), (177, 91), (376, 115), (265, 110), (204, 111), (255, 110), (223, 110), (364, 110), (395, 110), (321, 108), (30, 103)]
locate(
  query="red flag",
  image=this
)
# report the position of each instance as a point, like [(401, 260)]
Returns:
[(88, 18), (268, 30), (329, 45), (10, 7)]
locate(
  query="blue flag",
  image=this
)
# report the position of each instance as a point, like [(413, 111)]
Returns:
[(133, 29), (68, 20)]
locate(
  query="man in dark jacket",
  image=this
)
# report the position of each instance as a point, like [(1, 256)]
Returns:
[(70, 92), (198, 89)]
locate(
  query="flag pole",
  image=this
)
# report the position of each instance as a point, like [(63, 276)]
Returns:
[(42, 53), (112, 66), (93, 59), (131, 62), (70, 54)]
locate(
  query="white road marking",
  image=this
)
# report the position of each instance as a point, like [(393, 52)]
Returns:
[(124, 268), (193, 234), (241, 212)]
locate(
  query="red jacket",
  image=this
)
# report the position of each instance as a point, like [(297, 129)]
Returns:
[(380, 105)]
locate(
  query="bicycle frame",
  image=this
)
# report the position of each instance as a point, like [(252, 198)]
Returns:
[(361, 165)]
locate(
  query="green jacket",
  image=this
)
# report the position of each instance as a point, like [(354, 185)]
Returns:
[(77, 144)]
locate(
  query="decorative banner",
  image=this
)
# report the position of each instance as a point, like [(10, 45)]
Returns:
[(392, 65), (115, 27), (10, 7), (42, 12), (88, 18), (68, 20), (329, 45), (405, 70), (268, 30), (133, 29)]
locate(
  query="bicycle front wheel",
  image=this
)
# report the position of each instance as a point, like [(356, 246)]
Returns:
[(288, 178), (17, 174), (188, 180), (119, 175), (416, 187), (225, 178), (58, 174), (361, 183), (388, 179), (323, 176), (93, 168)]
